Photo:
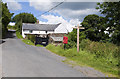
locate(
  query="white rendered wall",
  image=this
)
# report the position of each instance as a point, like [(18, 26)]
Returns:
[(24, 32), (41, 32), (11, 24), (34, 32)]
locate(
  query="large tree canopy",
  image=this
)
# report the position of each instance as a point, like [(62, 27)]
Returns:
[(25, 17), (94, 27), (6, 18), (111, 10)]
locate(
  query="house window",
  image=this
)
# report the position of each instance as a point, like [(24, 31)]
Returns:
[(31, 31)]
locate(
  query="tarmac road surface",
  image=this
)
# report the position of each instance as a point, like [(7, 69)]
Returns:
[(21, 60)]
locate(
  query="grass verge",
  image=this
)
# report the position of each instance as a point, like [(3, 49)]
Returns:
[(19, 36), (26, 41), (84, 58), (38, 45)]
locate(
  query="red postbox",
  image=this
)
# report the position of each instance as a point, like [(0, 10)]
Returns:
[(65, 40)]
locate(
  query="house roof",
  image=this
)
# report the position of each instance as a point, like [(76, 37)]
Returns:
[(40, 27)]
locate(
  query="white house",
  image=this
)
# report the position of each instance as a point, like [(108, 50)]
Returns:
[(28, 28), (12, 24)]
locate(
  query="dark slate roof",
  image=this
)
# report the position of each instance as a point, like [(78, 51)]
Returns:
[(40, 27)]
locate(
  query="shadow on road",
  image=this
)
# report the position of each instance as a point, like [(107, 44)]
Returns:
[(11, 34), (1, 41)]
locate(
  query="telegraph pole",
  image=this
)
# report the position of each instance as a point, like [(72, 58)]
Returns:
[(78, 28), (77, 38)]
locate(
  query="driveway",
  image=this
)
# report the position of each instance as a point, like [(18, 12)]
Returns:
[(21, 60)]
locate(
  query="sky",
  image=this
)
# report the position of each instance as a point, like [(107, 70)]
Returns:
[(69, 14)]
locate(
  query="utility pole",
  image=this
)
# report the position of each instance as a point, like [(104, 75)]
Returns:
[(78, 28), (77, 38)]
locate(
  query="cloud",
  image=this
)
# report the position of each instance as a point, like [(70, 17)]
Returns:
[(71, 10), (74, 22), (76, 14), (39, 5), (64, 27), (77, 10), (77, 5), (13, 5)]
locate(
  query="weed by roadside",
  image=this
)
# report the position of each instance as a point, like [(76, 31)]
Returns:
[(87, 58)]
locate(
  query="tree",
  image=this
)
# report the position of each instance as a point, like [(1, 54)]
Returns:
[(0, 30), (23, 18), (6, 18), (19, 26), (95, 27), (111, 10), (0, 22), (26, 18)]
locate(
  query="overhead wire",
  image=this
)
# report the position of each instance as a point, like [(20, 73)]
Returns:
[(51, 8)]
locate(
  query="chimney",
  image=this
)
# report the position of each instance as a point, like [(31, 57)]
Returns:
[(37, 21)]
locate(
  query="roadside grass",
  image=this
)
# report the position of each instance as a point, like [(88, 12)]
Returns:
[(38, 45), (84, 58), (19, 36), (26, 41)]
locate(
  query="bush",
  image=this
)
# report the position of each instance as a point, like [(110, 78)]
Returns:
[(72, 38), (71, 44), (19, 35), (106, 50), (31, 38), (84, 43), (11, 27), (18, 26)]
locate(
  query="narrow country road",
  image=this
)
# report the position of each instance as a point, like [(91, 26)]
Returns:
[(21, 60)]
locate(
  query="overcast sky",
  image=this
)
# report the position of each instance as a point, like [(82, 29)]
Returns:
[(68, 13)]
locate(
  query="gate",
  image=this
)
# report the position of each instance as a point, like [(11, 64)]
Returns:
[(42, 41)]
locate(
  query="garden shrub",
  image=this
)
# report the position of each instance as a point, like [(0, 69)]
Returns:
[(31, 38)]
